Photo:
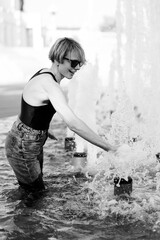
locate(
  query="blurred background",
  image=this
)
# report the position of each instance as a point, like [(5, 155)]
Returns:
[(36, 23), (28, 28)]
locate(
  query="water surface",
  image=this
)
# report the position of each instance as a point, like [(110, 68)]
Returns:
[(65, 210)]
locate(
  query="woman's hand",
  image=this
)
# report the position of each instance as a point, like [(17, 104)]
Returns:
[(123, 150), (114, 149), (51, 136)]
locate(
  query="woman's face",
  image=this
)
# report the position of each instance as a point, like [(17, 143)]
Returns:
[(70, 65)]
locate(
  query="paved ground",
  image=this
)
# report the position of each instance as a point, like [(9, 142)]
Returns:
[(10, 96)]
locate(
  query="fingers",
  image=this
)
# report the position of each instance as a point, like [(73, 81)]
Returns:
[(51, 136)]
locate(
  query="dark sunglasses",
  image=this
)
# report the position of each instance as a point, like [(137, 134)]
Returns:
[(74, 63)]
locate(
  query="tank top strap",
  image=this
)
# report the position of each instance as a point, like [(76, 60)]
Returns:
[(48, 73), (39, 72)]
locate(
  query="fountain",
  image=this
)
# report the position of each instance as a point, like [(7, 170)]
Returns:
[(135, 123), (82, 97), (98, 206)]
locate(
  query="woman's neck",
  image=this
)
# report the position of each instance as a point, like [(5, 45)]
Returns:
[(55, 70)]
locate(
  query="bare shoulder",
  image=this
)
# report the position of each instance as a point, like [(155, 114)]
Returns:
[(36, 90), (43, 79), (48, 82), (41, 82)]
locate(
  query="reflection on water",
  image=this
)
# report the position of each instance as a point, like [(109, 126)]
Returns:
[(68, 208)]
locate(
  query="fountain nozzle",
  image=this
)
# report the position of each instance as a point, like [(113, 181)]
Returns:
[(70, 144), (158, 157), (122, 186), (79, 160)]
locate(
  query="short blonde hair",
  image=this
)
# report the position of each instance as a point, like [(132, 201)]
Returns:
[(62, 47)]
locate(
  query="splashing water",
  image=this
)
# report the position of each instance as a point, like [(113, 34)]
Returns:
[(137, 84), (136, 158)]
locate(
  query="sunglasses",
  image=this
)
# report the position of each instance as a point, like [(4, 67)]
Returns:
[(74, 63)]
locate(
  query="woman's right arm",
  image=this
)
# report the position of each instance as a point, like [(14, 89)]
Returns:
[(75, 124)]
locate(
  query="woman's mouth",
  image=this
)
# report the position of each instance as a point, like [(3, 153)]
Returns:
[(72, 72)]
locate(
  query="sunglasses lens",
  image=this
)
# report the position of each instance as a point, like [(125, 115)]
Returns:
[(74, 63)]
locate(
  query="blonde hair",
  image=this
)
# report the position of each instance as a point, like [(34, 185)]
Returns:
[(62, 47)]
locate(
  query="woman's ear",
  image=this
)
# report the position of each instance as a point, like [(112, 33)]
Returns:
[(57, 63)]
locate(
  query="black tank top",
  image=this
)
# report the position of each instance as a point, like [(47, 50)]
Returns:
[(37, 117)]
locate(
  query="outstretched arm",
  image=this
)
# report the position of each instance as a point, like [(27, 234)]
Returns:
[(75, 124)]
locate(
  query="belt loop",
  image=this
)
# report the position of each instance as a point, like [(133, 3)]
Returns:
[(38, 137), (19, 126)]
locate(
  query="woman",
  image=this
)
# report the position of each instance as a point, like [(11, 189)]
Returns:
[(41, 98)]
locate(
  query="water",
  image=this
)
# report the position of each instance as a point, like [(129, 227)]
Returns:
[(73, 206)]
